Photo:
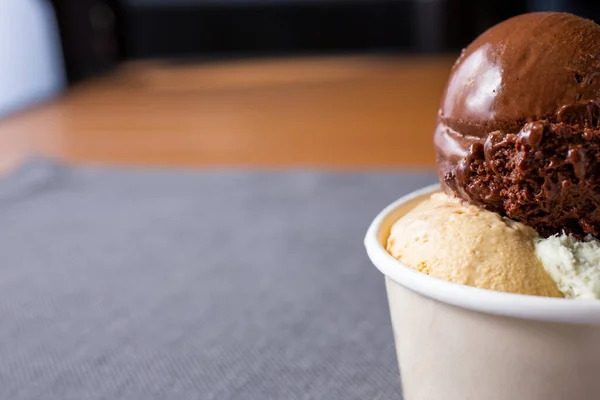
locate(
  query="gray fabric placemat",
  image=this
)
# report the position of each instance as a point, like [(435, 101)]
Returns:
[(181, 284)]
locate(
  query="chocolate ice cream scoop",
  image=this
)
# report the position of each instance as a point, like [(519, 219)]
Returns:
[(518, 130)]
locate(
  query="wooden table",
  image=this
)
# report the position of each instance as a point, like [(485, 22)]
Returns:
[(344, 112)]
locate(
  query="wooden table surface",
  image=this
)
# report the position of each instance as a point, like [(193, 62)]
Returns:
[(341, 112)]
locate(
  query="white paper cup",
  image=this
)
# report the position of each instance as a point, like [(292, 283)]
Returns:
[(456, 342)]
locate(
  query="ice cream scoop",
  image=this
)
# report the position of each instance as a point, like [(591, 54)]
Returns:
[(465, 244), (518, 130), (573, 264)]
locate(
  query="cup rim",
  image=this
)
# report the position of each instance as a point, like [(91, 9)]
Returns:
[(573, 311)]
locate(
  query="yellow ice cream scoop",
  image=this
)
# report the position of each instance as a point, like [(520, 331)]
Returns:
[(465, 244)]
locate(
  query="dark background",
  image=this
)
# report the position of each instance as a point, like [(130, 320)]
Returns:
[(98, 34)]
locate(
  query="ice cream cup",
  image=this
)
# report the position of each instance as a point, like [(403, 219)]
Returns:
[(456, 342)]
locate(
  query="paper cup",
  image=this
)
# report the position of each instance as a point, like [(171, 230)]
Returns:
[(456, 342)]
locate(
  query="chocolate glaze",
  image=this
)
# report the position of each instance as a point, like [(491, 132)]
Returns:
[(547, 175), (512, 91)]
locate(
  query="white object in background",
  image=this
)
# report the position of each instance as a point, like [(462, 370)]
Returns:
[(31, 67)]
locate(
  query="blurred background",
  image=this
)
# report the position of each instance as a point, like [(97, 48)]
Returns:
[(48, 46), (97, 34)]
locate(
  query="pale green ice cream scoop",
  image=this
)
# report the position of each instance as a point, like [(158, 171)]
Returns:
[(573, 264)]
